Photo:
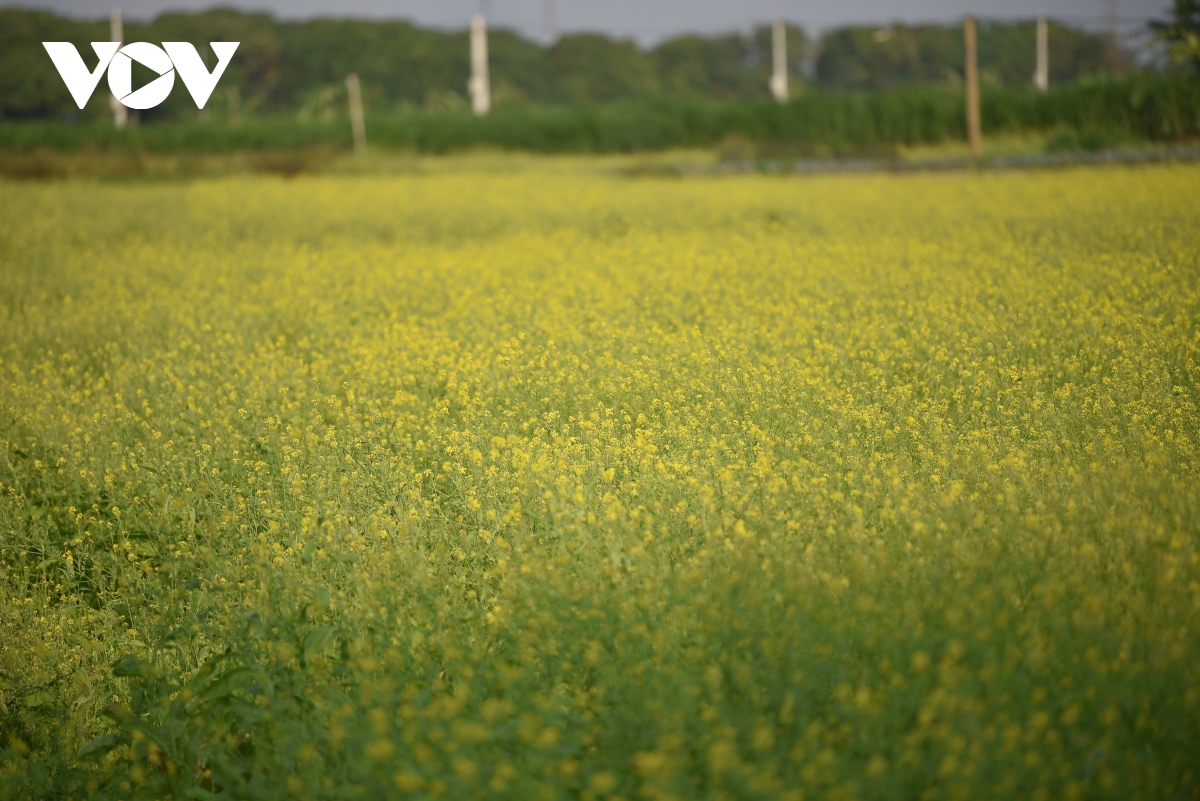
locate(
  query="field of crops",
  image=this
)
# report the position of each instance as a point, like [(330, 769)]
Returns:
[(522, 479)]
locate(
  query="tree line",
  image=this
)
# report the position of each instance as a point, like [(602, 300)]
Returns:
[(298, 66)]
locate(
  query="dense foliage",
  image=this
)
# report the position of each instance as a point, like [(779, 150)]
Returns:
[(300, 66), (1181, 32), (1105, 113), (554, 485), (900, 55)]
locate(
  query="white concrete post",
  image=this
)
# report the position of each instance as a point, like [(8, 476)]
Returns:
[(479, 86), (1041, 78), (779, 73), (116, 33)]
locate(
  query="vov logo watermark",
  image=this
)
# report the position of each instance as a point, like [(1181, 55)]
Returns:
[(172, 57)]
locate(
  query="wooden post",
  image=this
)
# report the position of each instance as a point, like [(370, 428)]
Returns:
[(1041, 78), (779, 74), (357, 124), (974, 126), (479, 86), (116, 33)]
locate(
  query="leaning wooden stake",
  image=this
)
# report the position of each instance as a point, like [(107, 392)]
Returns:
[(974, 126), (357, 124)]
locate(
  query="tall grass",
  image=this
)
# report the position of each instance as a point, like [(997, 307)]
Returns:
[(1146, 107)]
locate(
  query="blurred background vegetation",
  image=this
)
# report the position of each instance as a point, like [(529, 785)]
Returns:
[(855, 90), (298, 66)]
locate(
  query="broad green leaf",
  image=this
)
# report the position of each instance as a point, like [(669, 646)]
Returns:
[(319, 637), (129, 665), (227, 684), (101, 745)]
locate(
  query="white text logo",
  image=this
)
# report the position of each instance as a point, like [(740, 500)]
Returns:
[(172, 57)]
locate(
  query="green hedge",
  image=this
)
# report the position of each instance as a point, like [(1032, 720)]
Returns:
[(1142, 106)]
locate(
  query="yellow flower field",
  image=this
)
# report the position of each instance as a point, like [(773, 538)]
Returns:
[(545, 482)]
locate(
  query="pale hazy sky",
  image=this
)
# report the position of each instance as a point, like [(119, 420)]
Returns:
[(645, 20)]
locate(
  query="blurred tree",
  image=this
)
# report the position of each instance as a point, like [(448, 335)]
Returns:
[(397, 59), (592, 68), (1182, 33), (899, 55), (725, 67), (722, 67), (300, 66), (254, 72), (29, 84)]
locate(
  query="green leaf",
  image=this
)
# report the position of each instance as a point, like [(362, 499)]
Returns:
[(319, 637), (101, 745), (172, 638), (309, 549), (129, 665), (321, 595), (346, 557), (39, 698), (121, 715), (204, 673), (227, 684)]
